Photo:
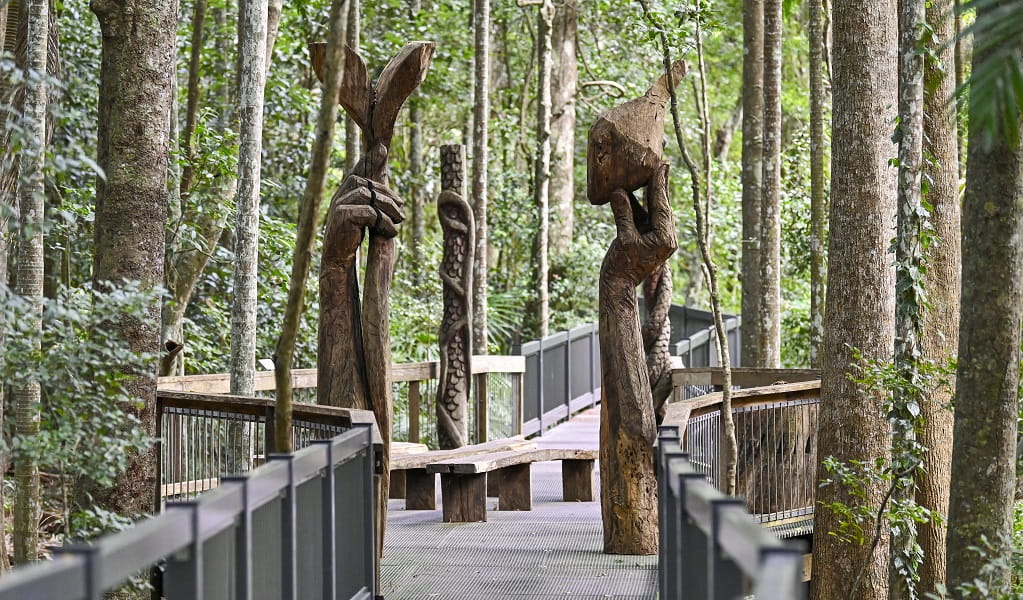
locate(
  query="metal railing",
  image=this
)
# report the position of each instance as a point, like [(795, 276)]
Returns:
[(203, 437), (710, 548), (310, 515), (495, 410), (562, 377), (776, 433)]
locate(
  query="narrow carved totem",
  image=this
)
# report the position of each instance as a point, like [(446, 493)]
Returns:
[(657, 288), (456, 221), (624, 154), (354, 353)]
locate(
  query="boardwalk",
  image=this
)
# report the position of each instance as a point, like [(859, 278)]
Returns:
[(553, 551)]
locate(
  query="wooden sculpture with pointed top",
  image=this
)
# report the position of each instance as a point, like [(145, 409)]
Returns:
[(625, 154), (354, 354)]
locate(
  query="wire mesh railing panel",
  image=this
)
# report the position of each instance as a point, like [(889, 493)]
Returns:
[(201, 446), (502, 401), (776, 463)]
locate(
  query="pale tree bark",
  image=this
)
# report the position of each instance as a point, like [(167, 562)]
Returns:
[(454, 378), (860, 304), (416, 197), (131, 211), (252, 24), (542, 168), (962, 58), (908, 299), (480, 158), (752, 175), (940, 337), (564, 83), (818, 203), (986, 404), (308, 224), (353, 34), (26, 397), (723, 136), (770, 204), (192, 94)]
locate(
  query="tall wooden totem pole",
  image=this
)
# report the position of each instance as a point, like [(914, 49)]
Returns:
[(624, 154), (454, 379), (354, 357)]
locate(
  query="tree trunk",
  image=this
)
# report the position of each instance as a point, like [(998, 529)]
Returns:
[(908, 300), (25, 398), (986, 403), (308, 224), (818, 202), (725, 133), (542, 169), (770, 206), (752, 175), (416, 196), (354, 41), (131, 202), (564, 82), (860, 310), (454, 380), (940, 330), (480, 154), (192, 95), (252, 23)]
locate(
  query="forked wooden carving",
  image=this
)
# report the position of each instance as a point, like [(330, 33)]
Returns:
[(625, 153), (354, 357), (455, 378)]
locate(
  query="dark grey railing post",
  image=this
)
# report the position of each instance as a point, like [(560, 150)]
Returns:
[(328, 524), (90, 555), (693, 548), (184, 578), (668, 448), (594, 367), (289, 550), (243, 541), (372, 574), (726, 577), (568, 372), (539, 383)]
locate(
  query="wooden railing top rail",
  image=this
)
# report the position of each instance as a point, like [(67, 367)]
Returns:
[(741, 376), (220, 383), (679, 413), (245, 405)]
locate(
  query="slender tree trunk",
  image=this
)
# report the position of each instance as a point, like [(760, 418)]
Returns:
[(725, 133), (131, 202), (770, 207), (987, 403), (564, 83), (192, 94), (818, 202), (308, 220), (860, 306), (25, 398), (752, 175), (962, 58), (542, 170), (908, 263), (252, 25), (940, 330), (354, 40), (480, 154), (416, 196)]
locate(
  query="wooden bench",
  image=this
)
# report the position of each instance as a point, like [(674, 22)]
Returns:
[(464, 480), (411, 480)]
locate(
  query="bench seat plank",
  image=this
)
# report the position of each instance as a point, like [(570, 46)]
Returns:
[(422, 459), (493, 461)]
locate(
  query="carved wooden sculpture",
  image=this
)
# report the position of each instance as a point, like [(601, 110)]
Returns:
[(657, 290), (625, 153), (354, 356), (457, 223)]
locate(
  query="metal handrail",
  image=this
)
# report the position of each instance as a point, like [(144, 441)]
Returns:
[(208, 544), (710, 548)]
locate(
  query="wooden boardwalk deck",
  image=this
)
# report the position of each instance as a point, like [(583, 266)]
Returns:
[(552, 551)]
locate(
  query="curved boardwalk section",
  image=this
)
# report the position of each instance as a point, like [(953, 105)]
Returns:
[(552, 551)]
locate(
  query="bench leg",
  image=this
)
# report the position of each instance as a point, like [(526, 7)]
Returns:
[(516, 493), (465, 497), (493, 484), (397, 491), (577, 480), (420, 490)]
